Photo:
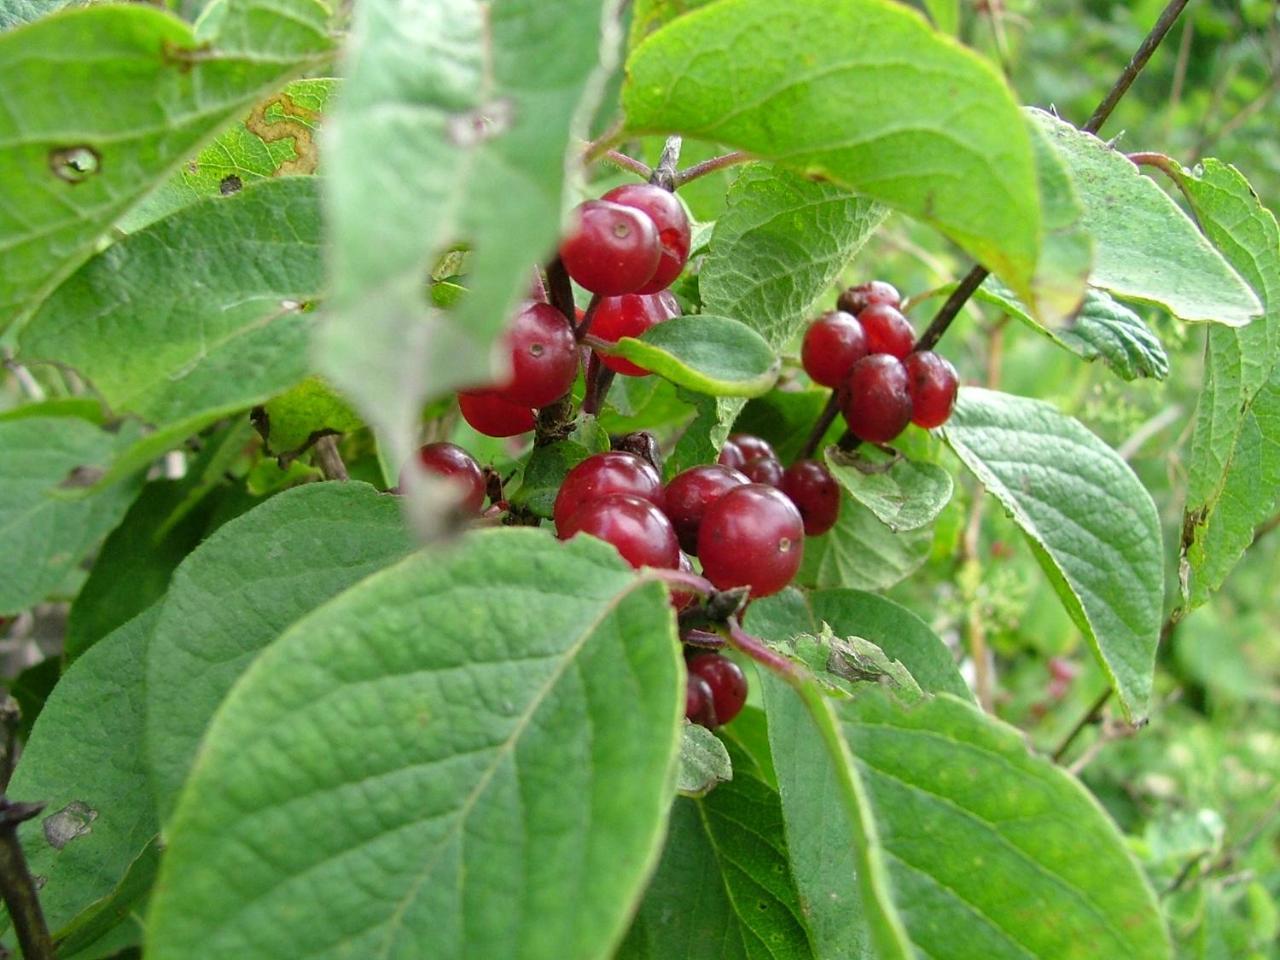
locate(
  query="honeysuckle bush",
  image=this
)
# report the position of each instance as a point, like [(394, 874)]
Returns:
[(1011, 704)]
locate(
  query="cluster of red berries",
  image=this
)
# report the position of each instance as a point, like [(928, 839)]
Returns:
[(864, 350)]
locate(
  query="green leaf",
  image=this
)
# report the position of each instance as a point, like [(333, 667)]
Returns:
[(994, 852), (277, 138), (104, 917), (722, 890), (903, 494), (1111, 332), (861, 552), (509, 790), (235, 594), (945, 15), (303, 413), (45, 530), (84, 760), (14, 13), (1146, 248), (784, 82), (843, 663), (1067, 252), (711, 355), (456, 130), (543, 474), (1090, 523), (704, 761), (137, 92), (1234, 468)]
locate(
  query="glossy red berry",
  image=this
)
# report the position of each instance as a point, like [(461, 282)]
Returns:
[(727, 682), (671, 221), (887, 330), (451, 462), (765, 470), (544, 356), (876, 399), (493, 416), (691, 492), (601, 475), (680, 599), (752, 536), (630, 316), (752, 447), (638, 529), (832, 345), (933, 383), (815, 493), (699, 701), (612, 249), (731, 456), (856, 299)]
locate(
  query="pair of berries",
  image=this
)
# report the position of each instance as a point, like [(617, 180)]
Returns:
[(864, 350), (807, 483), (715, 689)]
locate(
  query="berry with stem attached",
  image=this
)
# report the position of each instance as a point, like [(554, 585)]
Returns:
[(932, 382), (876, 400), (630, 316), (856, 299), (544, 356), (601, 475), (450, 462), (637, 529), (689, 494), (727, 682), (493, 416), (612, 249), (752, 536), (832, 345), (815, 493), (671, 221), (887, 330)]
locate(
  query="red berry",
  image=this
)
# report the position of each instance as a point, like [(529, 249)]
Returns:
[(699, 701), (493, 416), (601, 475), (876, 398), (612, 249), (682, 598), (815, 493), (856, 299), (671, 221), (544, 356), (450, 461), (832, 345), (765, 470), (752, 447), (887, 330), (731, 456), (691, 492), (932, 381), (727, 682), (752, 536), (638, 529), (630, 316)]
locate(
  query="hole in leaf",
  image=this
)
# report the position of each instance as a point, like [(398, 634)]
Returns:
[(70, 822), (75, 164), (230, 184)]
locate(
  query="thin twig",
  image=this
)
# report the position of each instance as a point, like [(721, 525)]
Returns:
[(1165, 418), (599, 379), (820, 427), (711, 166), (10, 721), (754, 648), (17, 886), (951, 308), (620, 159), (580, 331), (1090, 716), (329, 460)]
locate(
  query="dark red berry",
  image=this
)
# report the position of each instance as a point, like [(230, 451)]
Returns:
[(752, 447), (727, 682), (832, 345), (671, 221), (630, 316), (450, 461), (691, 492), (876, 399), (887, 330), (752, 536), (932, 381), (699, 701), (493, 416), (682, 598), (815, 493), (612, 249), (856, 299), (731, 456), (763, 470), (544, 357), (638, 529), (601, 475)]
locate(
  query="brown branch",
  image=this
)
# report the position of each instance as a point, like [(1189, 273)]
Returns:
[(329, 460), (1090, 717), (824, 421), (17, 886), (711, 166), (617, 158)]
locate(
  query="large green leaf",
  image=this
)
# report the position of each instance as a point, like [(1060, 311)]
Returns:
[(454, 126), (303, 413), (470, 754), (137, 91), (1144, 246), (1089, 521), (789, 82), (861, 552), (716, 356), (45, 530), (1234, 468), (235, 594), (16, 12), (903, 494)]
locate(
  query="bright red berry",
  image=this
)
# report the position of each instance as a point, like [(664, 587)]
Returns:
[(544, 356), (699, 701), (752, 536), (691, 492), (638, 529), (601, 475), (876, 398), (493, 416), (450, 461), (932, 381), (856, 299), (765, 470), (630, 316), (815, 493), (752, 447), (671, 221), (887, 330), (731, 456), (612, 249), (727, 682), (832, 345)]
